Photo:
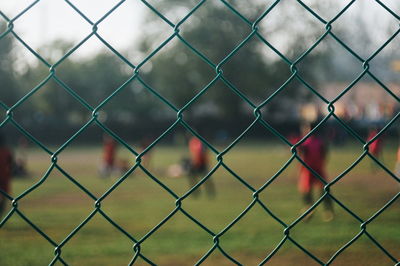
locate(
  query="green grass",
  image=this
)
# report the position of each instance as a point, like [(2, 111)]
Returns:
[(139, 204)]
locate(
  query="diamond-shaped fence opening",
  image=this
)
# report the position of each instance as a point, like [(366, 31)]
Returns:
[(209, 113)]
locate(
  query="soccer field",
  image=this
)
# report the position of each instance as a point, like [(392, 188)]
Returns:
[(138, 204)]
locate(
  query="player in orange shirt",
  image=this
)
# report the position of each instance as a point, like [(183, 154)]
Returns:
[(6, 162), (199, 165), (397, 168)]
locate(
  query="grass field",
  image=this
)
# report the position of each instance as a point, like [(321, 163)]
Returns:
[(139, 204)]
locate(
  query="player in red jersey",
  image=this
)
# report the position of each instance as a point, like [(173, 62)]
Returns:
[(6, 162), (199, 165), (375, 147), (109, 153), (313, 152)]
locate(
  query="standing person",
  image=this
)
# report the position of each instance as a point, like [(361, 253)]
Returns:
[(375, 147), (109, 152), (397, 169), (313, 152), (6, 162), (199, 165)]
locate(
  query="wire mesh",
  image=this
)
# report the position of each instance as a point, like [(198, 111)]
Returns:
[(215, 237)]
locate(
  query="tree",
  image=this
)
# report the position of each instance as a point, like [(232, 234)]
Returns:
[(93, 79), (178, 74), (9, 91)]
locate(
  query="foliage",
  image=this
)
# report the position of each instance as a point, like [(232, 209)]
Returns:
[(215, 32), (9, 90)]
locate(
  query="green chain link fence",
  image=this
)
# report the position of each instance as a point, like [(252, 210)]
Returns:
[(258, 119)]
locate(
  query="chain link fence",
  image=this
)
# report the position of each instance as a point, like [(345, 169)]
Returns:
[(215, 237)]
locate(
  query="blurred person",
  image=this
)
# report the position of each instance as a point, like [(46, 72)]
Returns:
[(6, 163), (197, 166), (397, 168), (109, 154), (313, 152), (375, 147)]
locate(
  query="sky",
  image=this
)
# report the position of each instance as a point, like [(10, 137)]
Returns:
[(55, 19)]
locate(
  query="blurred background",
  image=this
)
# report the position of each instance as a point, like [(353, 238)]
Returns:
[(93, 71), (172, 70)]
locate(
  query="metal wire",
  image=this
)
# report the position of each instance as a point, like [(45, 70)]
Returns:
[(258, 119)]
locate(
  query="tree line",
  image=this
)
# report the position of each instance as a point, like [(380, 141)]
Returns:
[(178, 72)]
